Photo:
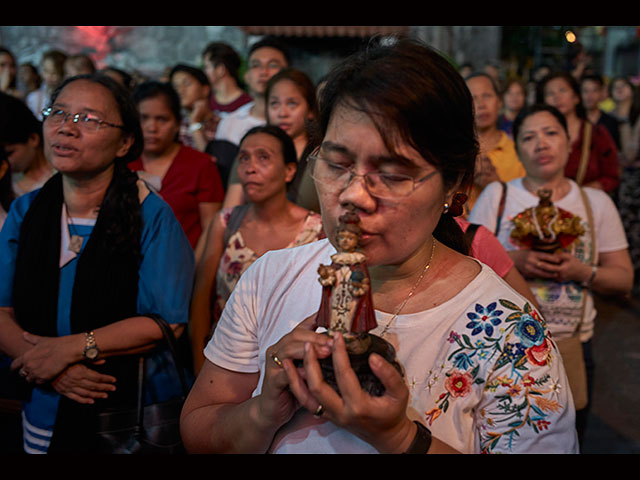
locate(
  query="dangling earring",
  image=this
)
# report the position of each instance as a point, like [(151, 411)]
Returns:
[(457, 204)]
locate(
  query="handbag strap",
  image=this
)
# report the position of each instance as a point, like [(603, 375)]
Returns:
[(503, 199), (586, 150), (594, 250), (172, 344), (170, 339)]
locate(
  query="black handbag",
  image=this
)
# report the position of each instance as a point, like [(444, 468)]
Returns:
[(146, 429)]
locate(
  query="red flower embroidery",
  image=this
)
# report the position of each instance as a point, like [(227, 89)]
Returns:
[(459, 384), (539, 354)]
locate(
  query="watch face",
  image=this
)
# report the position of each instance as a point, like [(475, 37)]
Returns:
[(91, 353)]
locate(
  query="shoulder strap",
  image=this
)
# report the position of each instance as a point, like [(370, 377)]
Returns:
[(469, 234), (235, 219), (503, 198), (587, 206), (586, 150)]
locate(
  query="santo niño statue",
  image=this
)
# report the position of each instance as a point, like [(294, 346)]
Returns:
[(347, 305)]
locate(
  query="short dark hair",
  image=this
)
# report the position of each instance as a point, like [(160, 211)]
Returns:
[(527, 111), (17, 121), (220, 52), (592, 77), (271, 42), (410, 89), (494, 84), (196, 73), (154, 88), (288, 148)]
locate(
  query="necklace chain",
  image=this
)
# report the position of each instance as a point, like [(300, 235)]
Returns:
[(404, 302)]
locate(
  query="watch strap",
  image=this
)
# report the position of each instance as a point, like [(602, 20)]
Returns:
[(421, 442)]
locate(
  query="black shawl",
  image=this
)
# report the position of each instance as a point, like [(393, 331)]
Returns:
[(105, 290)]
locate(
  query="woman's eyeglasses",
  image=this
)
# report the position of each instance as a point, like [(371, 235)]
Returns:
[(87, 121), (337, 177)]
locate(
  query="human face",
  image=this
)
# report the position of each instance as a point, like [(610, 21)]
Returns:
[(591, 94), (621, 91), (558, 93), (543, 146), (159, 125), (51, 74), (22, 155), (287, 108), (486, 102), (261, 168), (189, 89), (7, 66), (393, 230), (514, 97), (78, 153), (263, 64)]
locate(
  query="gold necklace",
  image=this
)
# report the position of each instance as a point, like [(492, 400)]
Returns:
[(75, 242), (424, 271)]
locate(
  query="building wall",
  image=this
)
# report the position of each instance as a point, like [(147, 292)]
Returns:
[(150, 49)]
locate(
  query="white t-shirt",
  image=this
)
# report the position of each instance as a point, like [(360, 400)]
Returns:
[(468, 362), (560, 303), (233, 126)]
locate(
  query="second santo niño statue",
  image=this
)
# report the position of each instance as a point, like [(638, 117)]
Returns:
[(347, 305)]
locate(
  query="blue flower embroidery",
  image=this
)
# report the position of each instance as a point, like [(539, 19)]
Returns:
[(463, 361), (484, 319), (529, 331)]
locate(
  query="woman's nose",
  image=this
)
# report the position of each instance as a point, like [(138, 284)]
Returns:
[(356, 193)]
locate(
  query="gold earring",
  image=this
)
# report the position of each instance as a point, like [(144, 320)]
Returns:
[(446, 208)]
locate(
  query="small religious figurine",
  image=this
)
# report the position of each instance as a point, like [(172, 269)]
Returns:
[(347, 305), (546, 228)]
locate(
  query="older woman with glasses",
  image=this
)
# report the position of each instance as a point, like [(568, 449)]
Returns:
[(479, 371), (85, 261)]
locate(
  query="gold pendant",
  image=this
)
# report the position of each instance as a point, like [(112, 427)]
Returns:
[(75, 243)]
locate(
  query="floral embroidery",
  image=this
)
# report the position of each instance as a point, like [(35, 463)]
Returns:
[(484, 318), (515, 340)]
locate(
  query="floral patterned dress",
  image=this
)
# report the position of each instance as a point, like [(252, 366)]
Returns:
[(237, 257)]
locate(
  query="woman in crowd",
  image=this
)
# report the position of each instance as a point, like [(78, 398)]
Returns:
[(497, 159), (75, 302), (28, 79), (52, 73), (598, 260), (593, 158), (21, 138), (185, 178), (398, 142), (627, 99), (291, 104), (514, 98), (199, 122), (8, 73), (239, 236)]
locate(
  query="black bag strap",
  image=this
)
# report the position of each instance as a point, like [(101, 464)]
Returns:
[(235, 219), (503, 199), (469, 234), (172, 344)]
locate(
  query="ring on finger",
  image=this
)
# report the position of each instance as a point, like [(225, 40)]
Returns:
[(319, 411), (23, 373), (275, 358)]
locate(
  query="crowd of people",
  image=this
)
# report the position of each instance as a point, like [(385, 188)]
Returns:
[(210, 195)]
